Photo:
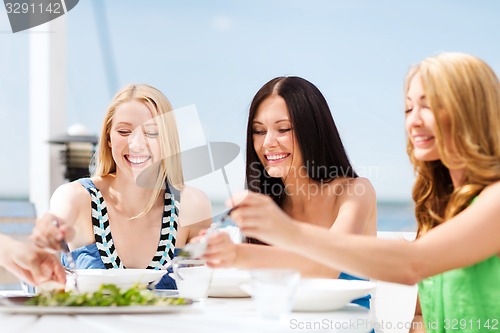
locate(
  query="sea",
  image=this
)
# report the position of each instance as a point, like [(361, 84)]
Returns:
[(17, 216)]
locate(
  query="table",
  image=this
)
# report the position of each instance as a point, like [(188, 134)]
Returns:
[(216, 315)]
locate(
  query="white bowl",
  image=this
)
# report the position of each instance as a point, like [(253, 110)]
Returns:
[(329, 294), (90, 280), (228, 282)]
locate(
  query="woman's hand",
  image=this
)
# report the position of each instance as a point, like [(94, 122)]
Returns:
[(259, 217), (49, 231), (30, 263), (221, 251)]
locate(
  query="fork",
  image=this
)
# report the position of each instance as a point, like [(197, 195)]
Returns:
[(69, 257), (196, 250)]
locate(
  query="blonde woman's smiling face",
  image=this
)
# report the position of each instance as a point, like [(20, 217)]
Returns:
[(134, 138)]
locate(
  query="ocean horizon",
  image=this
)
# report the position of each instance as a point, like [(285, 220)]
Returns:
[(17, 216)]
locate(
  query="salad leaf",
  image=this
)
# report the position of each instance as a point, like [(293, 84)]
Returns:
[(107, 295)]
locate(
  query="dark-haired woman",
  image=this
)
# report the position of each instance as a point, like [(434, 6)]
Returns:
[(297, 170), (453, 127)]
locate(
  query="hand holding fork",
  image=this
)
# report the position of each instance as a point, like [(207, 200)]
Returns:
[(197, 249), (69, 256)]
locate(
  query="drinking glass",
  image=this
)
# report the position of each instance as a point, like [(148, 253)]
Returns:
[(273, 291), (192, 277)]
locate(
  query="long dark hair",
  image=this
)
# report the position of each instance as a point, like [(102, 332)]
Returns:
[(317, 136)]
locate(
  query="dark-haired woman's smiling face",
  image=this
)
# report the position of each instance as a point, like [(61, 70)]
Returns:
[(273, 138)]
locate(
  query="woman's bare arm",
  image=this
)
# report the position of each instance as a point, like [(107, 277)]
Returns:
[(70, 206), (441, 249)]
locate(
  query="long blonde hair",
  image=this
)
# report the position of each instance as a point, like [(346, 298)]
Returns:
[(464, 92), (170, 167)]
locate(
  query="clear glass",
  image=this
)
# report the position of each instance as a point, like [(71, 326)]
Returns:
[(193, 278), (273, 291)]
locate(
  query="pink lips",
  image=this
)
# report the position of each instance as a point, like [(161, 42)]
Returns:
[(276, 157), (137, 160), (422, 140)]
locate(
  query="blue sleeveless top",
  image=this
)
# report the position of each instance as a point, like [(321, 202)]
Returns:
[(363, 301), (102, 254)]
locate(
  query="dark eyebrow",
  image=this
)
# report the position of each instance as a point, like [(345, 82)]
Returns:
[(276, 122)]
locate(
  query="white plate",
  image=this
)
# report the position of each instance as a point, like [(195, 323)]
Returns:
[(90, 280), (227, 283), (329, 294), (44, 310), (14, 305)]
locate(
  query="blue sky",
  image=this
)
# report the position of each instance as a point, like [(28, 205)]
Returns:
[(217, 54)]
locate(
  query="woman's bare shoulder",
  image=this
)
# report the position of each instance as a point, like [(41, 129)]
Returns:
[(194, 195), (75, 193), (358, 180), (71, 192), (349, 187), (489, 196), (195, 202), (492, 189), (69, 200)]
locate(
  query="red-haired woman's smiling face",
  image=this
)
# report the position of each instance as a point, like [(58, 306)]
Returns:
[(420, 122)]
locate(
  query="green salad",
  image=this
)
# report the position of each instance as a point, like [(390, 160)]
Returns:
[(107, 295)]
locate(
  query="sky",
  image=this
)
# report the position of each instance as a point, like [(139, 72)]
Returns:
[(211, 57)]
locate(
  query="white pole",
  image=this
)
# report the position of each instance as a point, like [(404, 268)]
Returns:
[(47, 59)]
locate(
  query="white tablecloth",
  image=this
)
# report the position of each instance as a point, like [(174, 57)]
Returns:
[(214, 315)]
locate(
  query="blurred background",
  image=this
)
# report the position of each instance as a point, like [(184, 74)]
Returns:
[(212, 57)]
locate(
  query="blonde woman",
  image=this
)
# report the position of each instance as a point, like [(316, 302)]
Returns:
[(453, 127), (135, 210)]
